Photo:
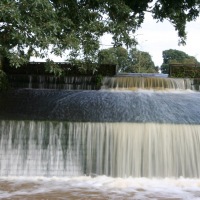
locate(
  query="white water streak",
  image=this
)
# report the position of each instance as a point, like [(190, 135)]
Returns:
[(155, 83), (31, 148)]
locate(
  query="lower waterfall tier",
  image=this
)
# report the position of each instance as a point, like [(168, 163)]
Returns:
[(42, 148)]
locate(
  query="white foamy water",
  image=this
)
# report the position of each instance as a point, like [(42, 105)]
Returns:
[(101, 187), (38, 148)]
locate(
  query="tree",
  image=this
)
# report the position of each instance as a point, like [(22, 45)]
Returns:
[(31, 28), (115, 55), (177, 12), (173, 56), (134, 61), (140, 62), (3, 81)]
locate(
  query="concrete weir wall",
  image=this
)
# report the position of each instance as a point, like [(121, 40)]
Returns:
[(35, 75)]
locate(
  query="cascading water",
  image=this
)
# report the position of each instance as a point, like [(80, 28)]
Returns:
[(52, 82), (114, 132), (145, 82), (114, 149)]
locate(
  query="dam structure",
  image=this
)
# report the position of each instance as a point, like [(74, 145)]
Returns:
[(118, 131), (134, 126)]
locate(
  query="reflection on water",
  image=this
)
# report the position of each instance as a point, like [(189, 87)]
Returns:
[(101, 187)]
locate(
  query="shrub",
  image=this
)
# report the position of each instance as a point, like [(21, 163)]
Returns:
[(3, 81)]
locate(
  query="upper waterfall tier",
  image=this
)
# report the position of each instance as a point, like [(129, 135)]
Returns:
[(52, 82), (149, 82)]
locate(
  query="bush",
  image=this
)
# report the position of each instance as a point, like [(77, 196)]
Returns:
[(3, 81)]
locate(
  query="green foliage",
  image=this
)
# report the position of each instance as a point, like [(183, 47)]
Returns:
[(114, 56), (140, 62), (31, 28), (99, 79), (3, 81), (178, 13), (84, 66), (184, 71), (173, 56), (134, 61), (53, 68)]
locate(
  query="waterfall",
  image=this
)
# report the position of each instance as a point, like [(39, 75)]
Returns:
[(43, 148), (156, 83), (52, 82), (133, 127)]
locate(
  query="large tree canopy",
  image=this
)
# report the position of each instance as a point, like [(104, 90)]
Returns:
[(32, 27)]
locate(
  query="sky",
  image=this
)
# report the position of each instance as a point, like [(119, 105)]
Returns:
[(156, 37)]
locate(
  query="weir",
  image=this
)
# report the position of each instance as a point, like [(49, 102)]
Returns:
[(118, 133), (52, 82), (39, 148), (145, 82)]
